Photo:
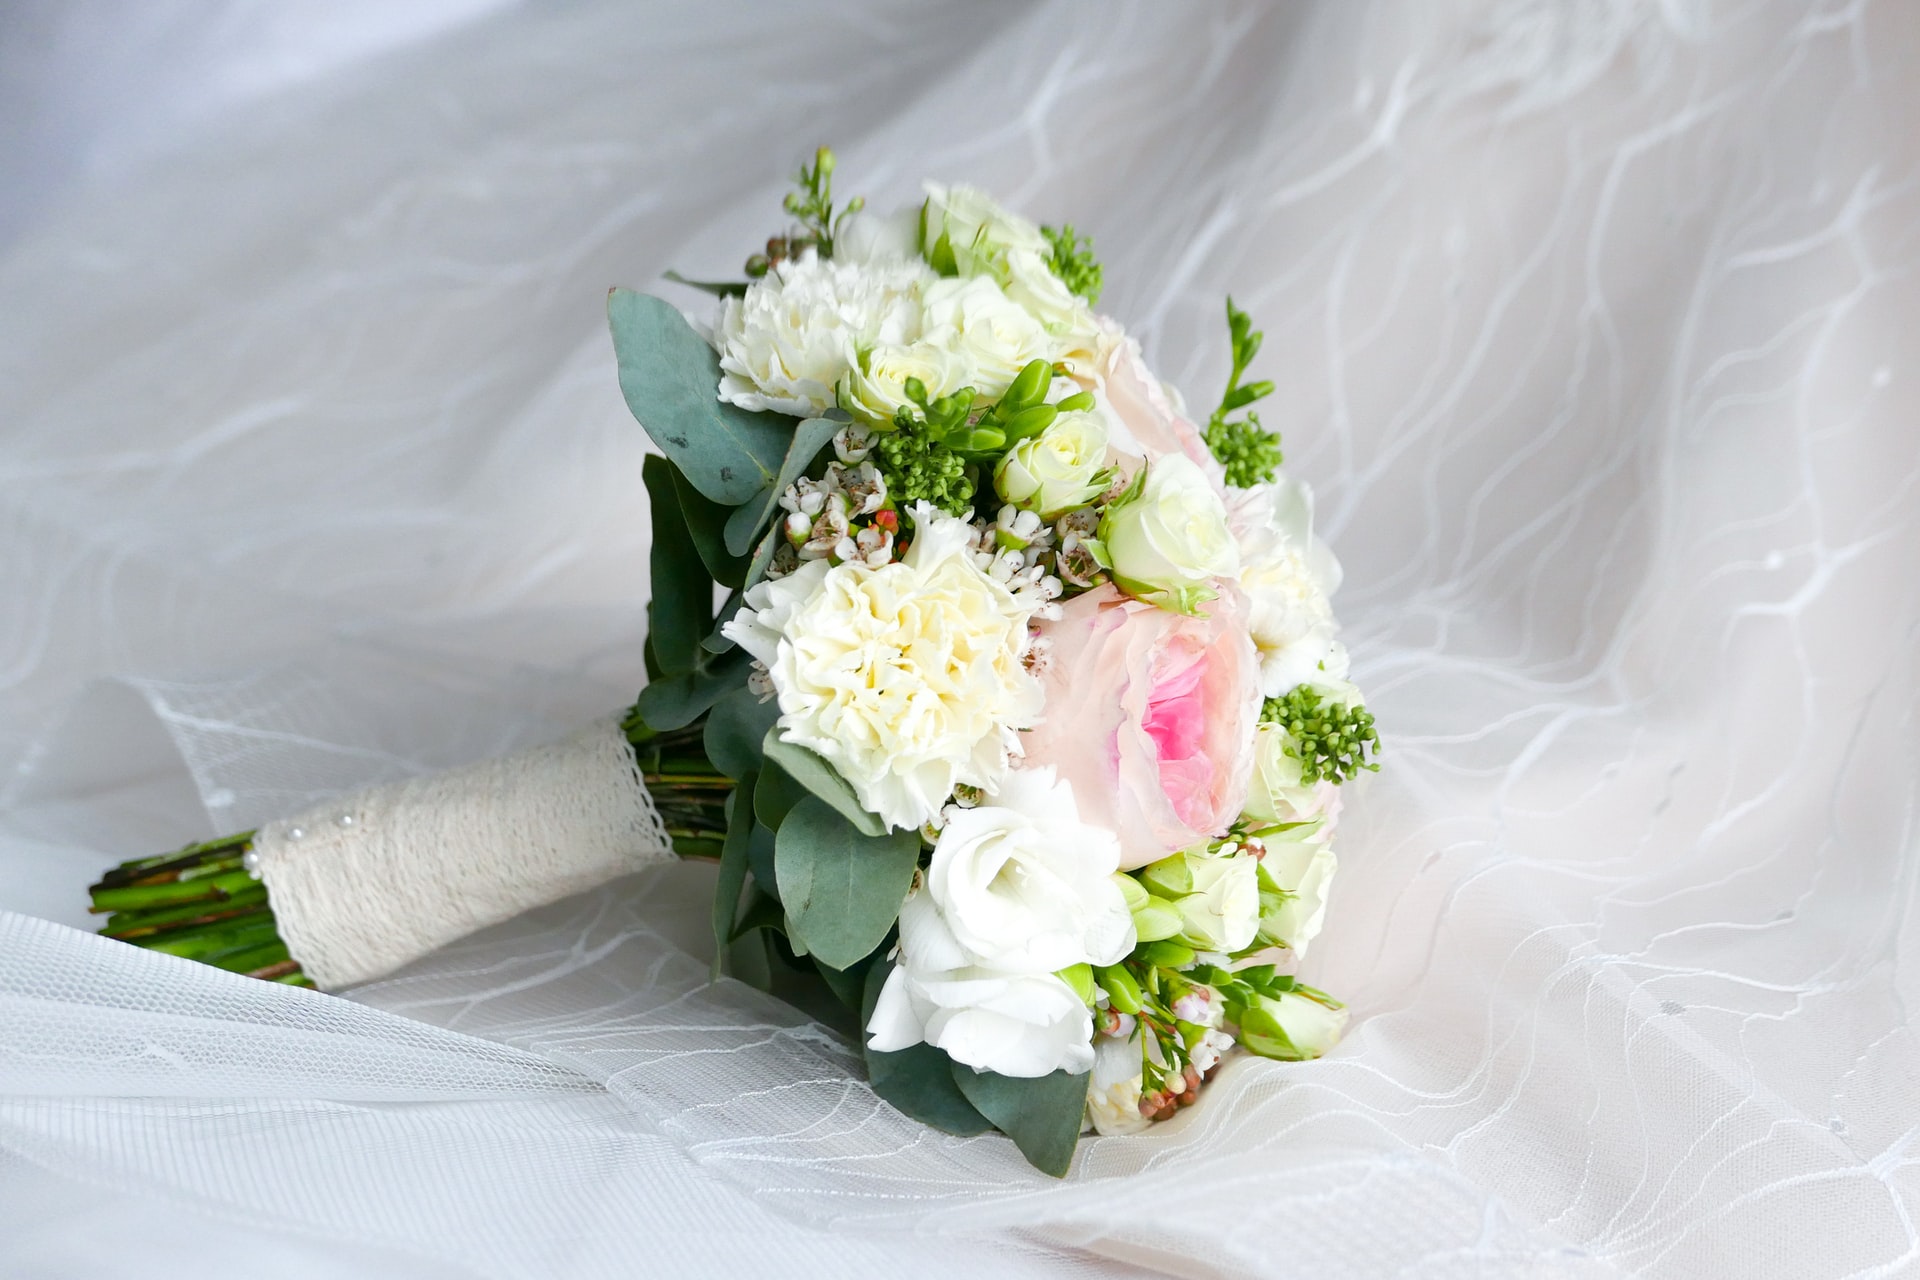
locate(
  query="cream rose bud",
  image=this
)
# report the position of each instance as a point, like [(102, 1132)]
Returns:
[(963, 229), (1061, 468), (1024, 1025), (1020, 884), (1292, 1026), (992, 335), (1275, 792), (875, 386), (1222, 911), (1167, 540), (1303, 870)]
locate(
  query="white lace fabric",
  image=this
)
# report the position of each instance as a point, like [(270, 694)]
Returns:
[(1594, 327)]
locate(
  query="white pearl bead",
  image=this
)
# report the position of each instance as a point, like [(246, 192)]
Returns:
[(296, 833)]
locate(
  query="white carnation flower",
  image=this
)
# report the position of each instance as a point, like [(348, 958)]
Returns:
[(785, 344), (993, 335), (909, 677), (1289, 577)]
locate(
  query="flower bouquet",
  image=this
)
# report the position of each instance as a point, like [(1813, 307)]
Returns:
[(1017, 718)]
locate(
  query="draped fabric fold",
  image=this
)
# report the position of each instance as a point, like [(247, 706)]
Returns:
[(1594, 327)]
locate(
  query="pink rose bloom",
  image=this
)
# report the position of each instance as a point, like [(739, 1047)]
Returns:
[(1150, 716), (1143, 421)]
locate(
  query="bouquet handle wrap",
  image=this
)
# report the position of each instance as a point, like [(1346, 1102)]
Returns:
[(364, 884)]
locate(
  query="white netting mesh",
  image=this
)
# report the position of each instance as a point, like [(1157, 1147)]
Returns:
[(1594, 326)]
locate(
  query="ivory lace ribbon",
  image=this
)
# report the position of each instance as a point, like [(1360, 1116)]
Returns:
[(362, 885)]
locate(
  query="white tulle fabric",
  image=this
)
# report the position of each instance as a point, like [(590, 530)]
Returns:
[(369, 882), (1595, 329)]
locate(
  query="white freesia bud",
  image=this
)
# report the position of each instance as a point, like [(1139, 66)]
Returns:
[(1168, 539), (875, 387), (1222, 912), (1061, 468), (964, 231), (990, 335), (785, 345)]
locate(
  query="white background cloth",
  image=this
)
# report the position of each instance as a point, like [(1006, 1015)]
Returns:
[(1594, 326)]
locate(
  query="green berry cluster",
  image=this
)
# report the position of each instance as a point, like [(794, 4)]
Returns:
[(917, 467), (1334, 738), (1073, 261)]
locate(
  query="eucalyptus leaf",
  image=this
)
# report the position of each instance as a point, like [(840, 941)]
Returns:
[(917, 1081), (681, 609), (763, 912), (669, 376), (776, 793), (1041, 1115), (707, 523), (736, 726), (733, 870), (817, 776), (760, 861), (718, 288), (678, 700), (809, 438), (842, 889)]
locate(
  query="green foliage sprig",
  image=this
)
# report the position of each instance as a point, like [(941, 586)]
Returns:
[(1073, 261), (1334, 738), (811, 204), (934, 444), (1249, 452)]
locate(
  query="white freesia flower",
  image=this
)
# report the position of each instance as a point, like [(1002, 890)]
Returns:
[(868, 238), (908, 677), (875, 387), (1168, 540), (786, 343), (1020, 885), (1113, 1095), (1303, 868), (1061, 468), (1024, 1025), (980, 325), (1222, 913), (1289, 577), (970, 225)]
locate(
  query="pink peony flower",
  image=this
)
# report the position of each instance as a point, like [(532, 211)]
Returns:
[(1150, 717)]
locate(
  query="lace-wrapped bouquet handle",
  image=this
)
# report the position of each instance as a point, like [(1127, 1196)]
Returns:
[(1022, 725)]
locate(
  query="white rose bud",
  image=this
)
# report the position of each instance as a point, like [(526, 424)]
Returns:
[(964, 231), (1222, 912), (991, 336), (1167, 539), (1303, 870), (1061, 468), (1292, 1026), (1275, 792)]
